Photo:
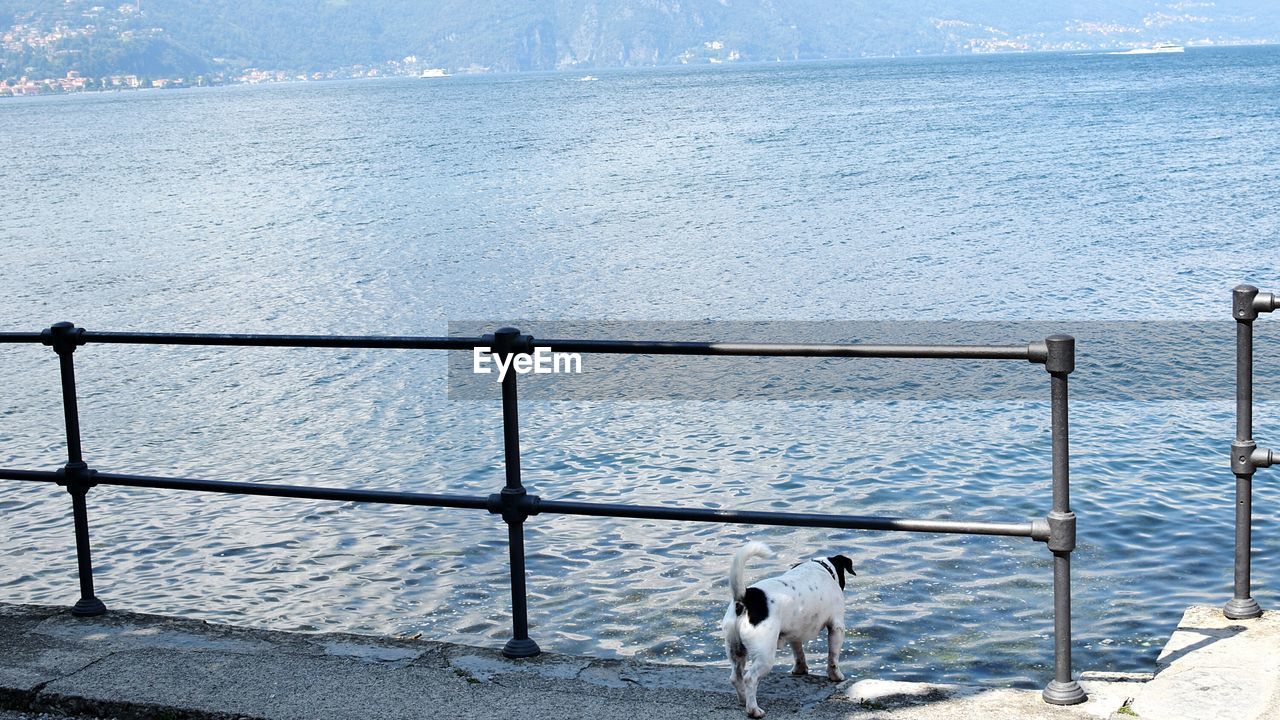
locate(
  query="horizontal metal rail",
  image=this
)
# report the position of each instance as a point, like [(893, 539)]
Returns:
[(537, 506), (314, 341), (387, 497), (1032, 352), (1029, 529), (31, 475), (515, 504), (940, 352)]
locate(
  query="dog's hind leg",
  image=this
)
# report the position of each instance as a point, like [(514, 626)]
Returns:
[(735, 677), (757, 665), (835, 641), (802, 667), (739, 661)]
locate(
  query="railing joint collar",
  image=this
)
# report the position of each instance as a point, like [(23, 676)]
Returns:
[(513, 504), (1247, 302), (63, 337), (77, 477), (509, 340), (1040, 530), (1037, 352), (1062, 531), (1246, 457), (1060, 354), (1263, 458)]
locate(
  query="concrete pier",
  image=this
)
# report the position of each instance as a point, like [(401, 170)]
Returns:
[(129, 665), (1214, 668)]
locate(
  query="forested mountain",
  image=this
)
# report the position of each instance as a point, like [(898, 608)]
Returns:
[(188, 37)]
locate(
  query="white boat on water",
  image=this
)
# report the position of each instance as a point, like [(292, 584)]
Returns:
[(434, 73), (1157, 48)]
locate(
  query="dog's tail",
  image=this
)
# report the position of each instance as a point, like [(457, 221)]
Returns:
[(736, 582)]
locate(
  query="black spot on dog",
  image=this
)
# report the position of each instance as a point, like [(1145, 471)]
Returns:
[(757, 604), (842, 565)]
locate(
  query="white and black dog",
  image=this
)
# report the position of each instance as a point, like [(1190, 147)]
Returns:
[(790, 608)]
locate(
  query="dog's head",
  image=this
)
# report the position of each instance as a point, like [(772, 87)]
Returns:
[(842, 565)]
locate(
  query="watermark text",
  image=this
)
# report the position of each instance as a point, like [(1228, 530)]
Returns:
[(542, 361)]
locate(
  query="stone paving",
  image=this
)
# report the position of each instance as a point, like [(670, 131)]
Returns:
[(128, 665)]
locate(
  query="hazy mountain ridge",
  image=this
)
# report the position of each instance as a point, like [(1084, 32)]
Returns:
[(191, 37)]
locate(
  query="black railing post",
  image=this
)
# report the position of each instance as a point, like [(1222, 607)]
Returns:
[(1060, 361), (1246, 457), (75, 475), (507, 342)]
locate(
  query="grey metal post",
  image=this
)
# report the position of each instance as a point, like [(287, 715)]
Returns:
[(520, 645), (1063, 689), (1246, 457), (75, 475)]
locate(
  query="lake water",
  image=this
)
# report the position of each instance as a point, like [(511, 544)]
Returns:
[(1055, 188)]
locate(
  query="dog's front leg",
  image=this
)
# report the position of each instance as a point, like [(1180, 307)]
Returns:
[(835, 641), (802, 667)]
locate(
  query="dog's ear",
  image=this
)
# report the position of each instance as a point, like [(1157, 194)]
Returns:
[(842, 565), (848, 564)]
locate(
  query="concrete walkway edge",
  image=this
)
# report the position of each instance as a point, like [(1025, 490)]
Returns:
[(131, 665)]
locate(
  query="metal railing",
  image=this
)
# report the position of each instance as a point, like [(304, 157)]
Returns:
[(1246, 457), (515, 504)]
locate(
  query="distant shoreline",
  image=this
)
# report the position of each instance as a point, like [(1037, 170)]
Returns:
[(456, 75)]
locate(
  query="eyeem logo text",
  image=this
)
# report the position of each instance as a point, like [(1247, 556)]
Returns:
[(542, 361)]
